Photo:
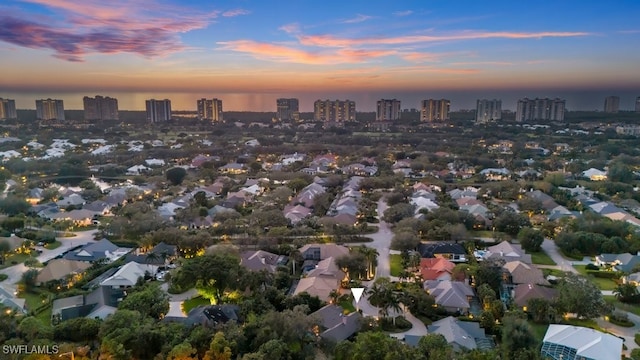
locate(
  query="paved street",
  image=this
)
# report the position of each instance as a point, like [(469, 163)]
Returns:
[(15, 272), (382, 243), (549, 246)]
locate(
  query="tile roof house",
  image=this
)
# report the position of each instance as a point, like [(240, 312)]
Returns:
[(323, 251), (517, 272), (454, 296), (569, 342), (99, 303), (462, 335), (621, 262), (261, 260), (436, 269), (335, 325), (296, 213), (320, 281), (128, 275), (522, 293), (58, 269), (96, 251), (507, 252)]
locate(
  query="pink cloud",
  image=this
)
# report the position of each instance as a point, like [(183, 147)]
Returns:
[(235, 12), (333, 41), (282, 53), (144, 27)]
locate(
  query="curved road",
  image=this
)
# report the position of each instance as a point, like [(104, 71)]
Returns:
[(382, 242), (15, 272)]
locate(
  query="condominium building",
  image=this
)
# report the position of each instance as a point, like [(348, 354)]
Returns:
[(49, 109), (435, 110), (540, 109), (388, 110), (612, 104), (334, 113), (158, 110), (287, 109), (8, 109), (210, 110), (488, 111), (100, 108), (638, 104)]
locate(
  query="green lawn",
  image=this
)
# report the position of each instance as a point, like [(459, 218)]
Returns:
[(395, 266), (347, 306), (539, 330), (541, 258), (632, 308), (603, 284), (584, 323), (187, 305), (34, 301), (54, 245), (18, 258)]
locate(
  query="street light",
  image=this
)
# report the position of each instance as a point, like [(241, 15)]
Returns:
[(68, 353)]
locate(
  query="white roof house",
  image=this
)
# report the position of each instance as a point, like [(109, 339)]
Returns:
[(575, 342), (137, 169), (128, 275), (594, 174)]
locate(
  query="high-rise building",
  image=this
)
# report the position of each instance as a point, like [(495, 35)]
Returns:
[(287, 109), (488, 110), (638, 104), (388, 110), (100, 108), (334, 113), (612, 104), (540, 109), (210, 110), (435, 110), (49, 109), (158, 110), (8, 109)]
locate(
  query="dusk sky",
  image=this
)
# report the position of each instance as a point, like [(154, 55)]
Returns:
[(248, 53)]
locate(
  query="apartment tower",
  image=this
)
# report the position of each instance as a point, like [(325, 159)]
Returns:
[(435, 110), (210, 110), (49, 109), (488, 111), (158, 110)]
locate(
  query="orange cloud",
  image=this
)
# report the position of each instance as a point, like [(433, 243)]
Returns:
[(333, 41), (282, 53)]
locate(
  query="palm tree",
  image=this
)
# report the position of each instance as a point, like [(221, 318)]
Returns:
[(164, 255), (414, 260), (5, 247), (404, 274), (150, 258), (294, 257), (371, 254)]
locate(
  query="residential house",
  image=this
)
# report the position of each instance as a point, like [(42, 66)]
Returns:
[(296, 213), (211, 316), (507, 252), (452, 252), (155, 162), (496, 174), (197, 161), (594, 174), (137, 170), (320, 281), (103, 249), (14, 241), (323, 251), (462, 335), (233, 168), (71, 200), (468, 192), (34, 195), (620, 262), (8, 299), (517, 272), (163, 253), (262, 260), (99, 303), (567, 342), (59, 269), (128, 274), (335, 325), (79, 217), (453, 296), (522, 293), (436, 269), (99, 208)]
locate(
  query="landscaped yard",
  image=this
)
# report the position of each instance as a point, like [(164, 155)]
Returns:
[(632, 308), (347, 306), (584, 323), (54, 245), (187, 305), (34, 301), (15, 259), (541, 258), (539, 330), (603, 284), (395, 266)]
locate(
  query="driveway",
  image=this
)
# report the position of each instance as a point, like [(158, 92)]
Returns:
[(381, 241), (549, 246), (628, 334), (15, 272)]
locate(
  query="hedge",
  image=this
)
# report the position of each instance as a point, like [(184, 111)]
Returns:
[(604, 274)]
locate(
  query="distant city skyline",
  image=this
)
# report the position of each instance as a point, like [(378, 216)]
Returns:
[(249, 54)]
